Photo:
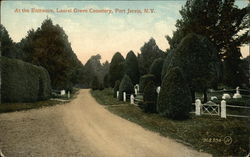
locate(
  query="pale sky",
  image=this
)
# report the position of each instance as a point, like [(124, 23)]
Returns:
[(103, 33)]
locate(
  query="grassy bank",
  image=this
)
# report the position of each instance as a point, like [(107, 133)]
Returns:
[(12, 107), (211, 134), (105, 97)]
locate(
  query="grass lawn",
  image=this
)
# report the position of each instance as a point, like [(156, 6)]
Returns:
[(211, 134), (105, 97), (12, 107)]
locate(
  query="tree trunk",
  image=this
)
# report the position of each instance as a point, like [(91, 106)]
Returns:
[(205, 95)]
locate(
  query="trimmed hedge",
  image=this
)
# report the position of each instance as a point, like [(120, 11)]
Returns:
[(144, 80), (125, 86), (23, 82), (149, 97), (174, 98)]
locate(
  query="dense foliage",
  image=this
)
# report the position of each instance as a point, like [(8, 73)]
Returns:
[(149, 52), (174, 98), (8, 48), (156, 69), (144, 80), (223, 23), (48, 46), (126, 85), (23, 82), (93, 67), (197, 57), (132, 68), (116, 70), (95, 84), (149, 97)]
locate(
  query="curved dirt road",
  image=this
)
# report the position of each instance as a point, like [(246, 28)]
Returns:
[(81, 128)]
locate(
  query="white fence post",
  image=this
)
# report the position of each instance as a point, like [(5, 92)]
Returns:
[(223, 109), (198, 107), (124, 96), (132, 99), (68, 94), (117, 94)]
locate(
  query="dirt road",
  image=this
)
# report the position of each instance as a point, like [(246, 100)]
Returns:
[(81, 128)]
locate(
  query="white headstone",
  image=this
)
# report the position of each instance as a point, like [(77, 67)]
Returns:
[(63, 92), (158, 89), (226, 96), (214, 97), (132, 99), (117, 94), (136, 92), (68, 94)]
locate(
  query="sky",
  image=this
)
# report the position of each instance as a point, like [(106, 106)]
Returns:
[(100, 33)]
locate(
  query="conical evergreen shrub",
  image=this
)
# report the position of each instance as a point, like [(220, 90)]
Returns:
[(125, 86), (174, 98)]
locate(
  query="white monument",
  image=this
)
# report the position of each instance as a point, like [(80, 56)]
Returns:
[(63, 92), (158, 89), (237, 94), (226, 96)]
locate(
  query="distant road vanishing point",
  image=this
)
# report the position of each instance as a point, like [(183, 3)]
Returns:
[(82, 128)]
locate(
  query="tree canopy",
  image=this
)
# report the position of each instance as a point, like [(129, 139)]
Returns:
[(222, 22), (197, 57), (149, 52), (48, 46)]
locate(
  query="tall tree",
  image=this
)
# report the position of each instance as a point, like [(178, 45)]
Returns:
[(49, 47), (221, 21), (8, 48), (197, 57), (116, 70), (132, 68), (149, 52)]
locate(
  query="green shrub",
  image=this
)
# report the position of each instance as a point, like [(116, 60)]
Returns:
[(116, 87), (149, 97), (23, 82), (125, 86), (156, 69), (144, 80), (174, 98)]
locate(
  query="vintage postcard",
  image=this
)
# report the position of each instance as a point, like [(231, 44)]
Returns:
[(140, 78)]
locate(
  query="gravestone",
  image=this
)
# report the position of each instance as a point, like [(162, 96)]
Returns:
[(237, 95), (63, 92)]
